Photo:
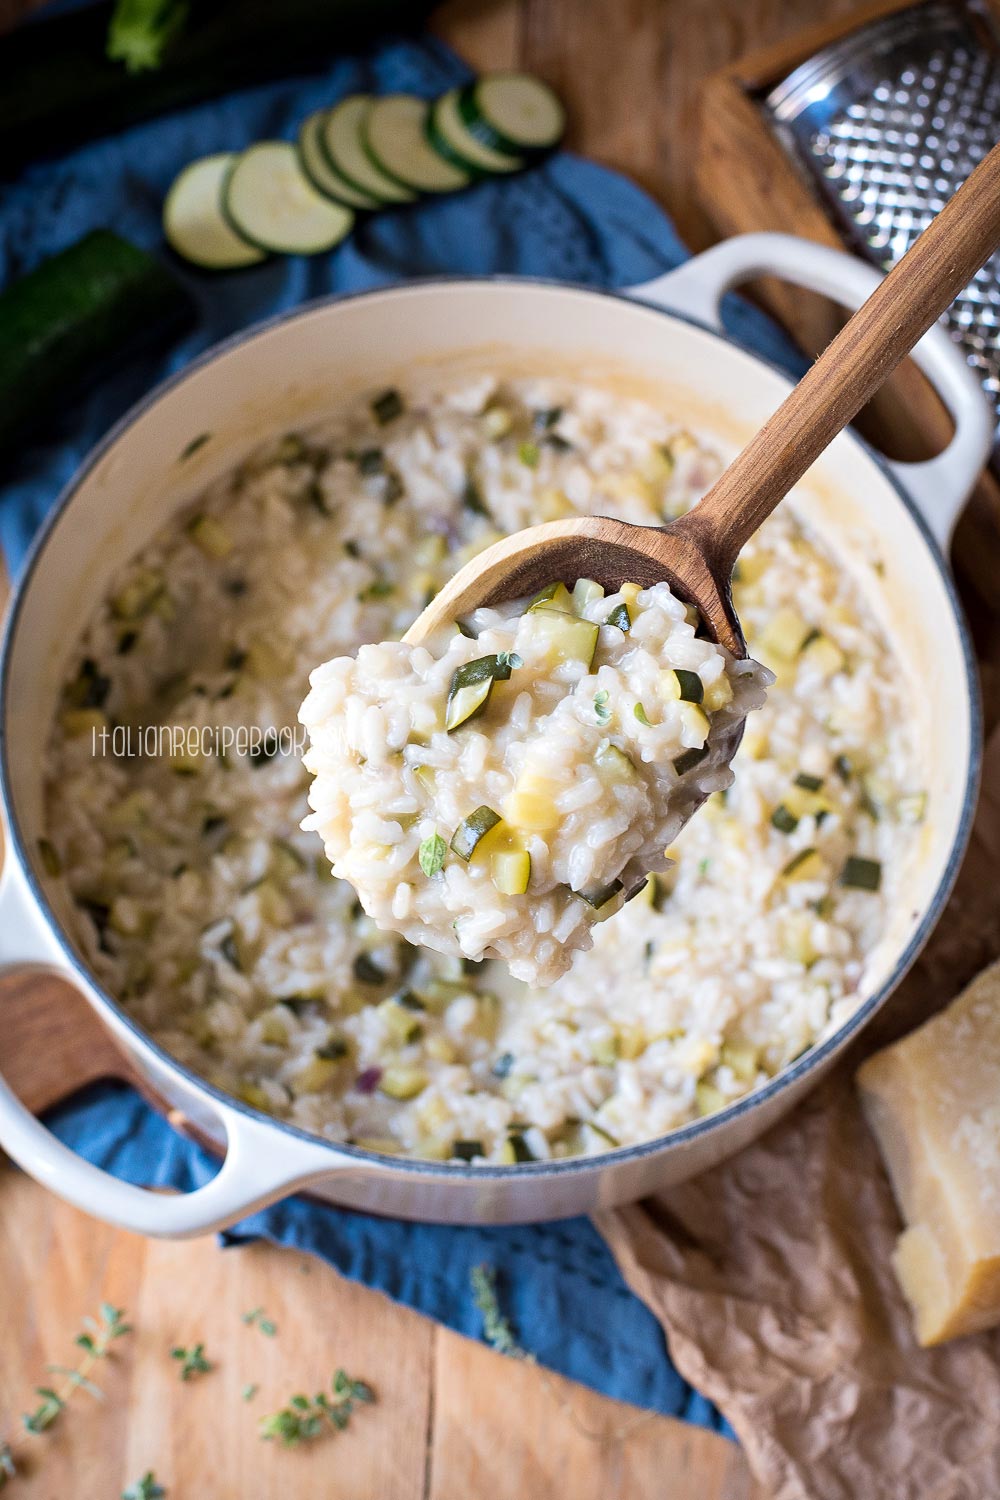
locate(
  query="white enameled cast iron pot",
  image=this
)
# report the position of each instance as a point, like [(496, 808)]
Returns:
[(888, 523)]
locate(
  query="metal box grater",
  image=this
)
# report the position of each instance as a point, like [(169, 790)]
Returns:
[(887, 123)]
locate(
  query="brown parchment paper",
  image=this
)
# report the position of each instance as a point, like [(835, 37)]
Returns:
[(771, 1274)]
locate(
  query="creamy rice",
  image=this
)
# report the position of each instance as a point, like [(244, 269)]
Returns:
[(499, 791), (202, 905)]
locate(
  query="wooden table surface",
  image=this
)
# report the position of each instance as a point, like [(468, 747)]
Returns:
[(453, 1418)]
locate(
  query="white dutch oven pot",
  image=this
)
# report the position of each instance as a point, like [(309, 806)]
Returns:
[(888, 523)]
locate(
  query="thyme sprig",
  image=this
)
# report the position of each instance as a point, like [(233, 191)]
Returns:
[(304, 1419), (497, 1329), (145, 1488), (255, 1318), (95, 1341), (193, 1361), (8, 1468)]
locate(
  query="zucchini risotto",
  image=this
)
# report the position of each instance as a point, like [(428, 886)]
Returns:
[(595, 725), (202, 905)]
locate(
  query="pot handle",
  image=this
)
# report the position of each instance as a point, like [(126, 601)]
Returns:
[(263, 1163), (938, 486)]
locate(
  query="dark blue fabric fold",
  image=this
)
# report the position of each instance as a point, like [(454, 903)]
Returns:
[(567, 219)]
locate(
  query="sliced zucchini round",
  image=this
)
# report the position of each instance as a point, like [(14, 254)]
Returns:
[(316, 165), (512, 113), (343, 141), (193, 221), (452, 139), (395, 137), (270, 202)]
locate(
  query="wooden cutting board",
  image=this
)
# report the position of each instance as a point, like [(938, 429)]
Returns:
[(452, 1420)]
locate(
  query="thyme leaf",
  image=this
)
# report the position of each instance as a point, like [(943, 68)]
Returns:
[(497, 1329), (95, 1340), (193, 1361), (255, 1318), (306, 1418), (145, 1488)]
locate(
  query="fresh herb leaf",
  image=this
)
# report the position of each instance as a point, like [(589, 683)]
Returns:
[(304, 1419), (529, 454), (95, 1341), (255, 1317), (497, 1329), (145, 1488), (431, 855), (8, 1468), (501, 1068), (193, 1361), (640, 714), (139, 34), (602, 712)]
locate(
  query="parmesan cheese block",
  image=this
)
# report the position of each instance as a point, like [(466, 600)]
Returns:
[(933, 1101)]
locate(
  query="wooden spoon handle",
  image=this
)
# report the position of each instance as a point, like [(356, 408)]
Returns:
[(880, 334)]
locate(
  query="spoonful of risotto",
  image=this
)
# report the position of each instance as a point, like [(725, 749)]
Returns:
[(511, 772)]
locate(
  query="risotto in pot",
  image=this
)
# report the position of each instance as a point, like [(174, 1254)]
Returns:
[(212, 916)]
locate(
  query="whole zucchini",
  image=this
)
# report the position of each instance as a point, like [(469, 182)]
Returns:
[(74, 315), (58, 87)]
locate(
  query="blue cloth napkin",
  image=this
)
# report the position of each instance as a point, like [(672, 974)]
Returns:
[(568, 219)]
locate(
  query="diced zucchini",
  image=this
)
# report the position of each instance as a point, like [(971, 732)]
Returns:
[(467, 1150), (861, 874), (620, 618), (136, 598), (784, 820), (497, 422), (912, 808), (718, 694), (400, 1020), (553, 596), (824, 655), (784, 634), (586, 591), (796, 938), (532, 802), (564, 637), (808, 864), (708, 1099), (599, 895), (403, 1083), (515, 1149), (473, 830), (614, 763), (741, 1058), (210, 536), (689, 759), (510, 871), (681, 684), (604, 1051), (315, 1076), (274, 1030), (694, 720), (472, 684), (427, 777), (79, 721)]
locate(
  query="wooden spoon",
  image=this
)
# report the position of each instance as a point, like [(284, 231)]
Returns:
[(696, 554)]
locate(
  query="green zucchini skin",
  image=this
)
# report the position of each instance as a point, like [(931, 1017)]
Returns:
[(77, 312), (58, 88)]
